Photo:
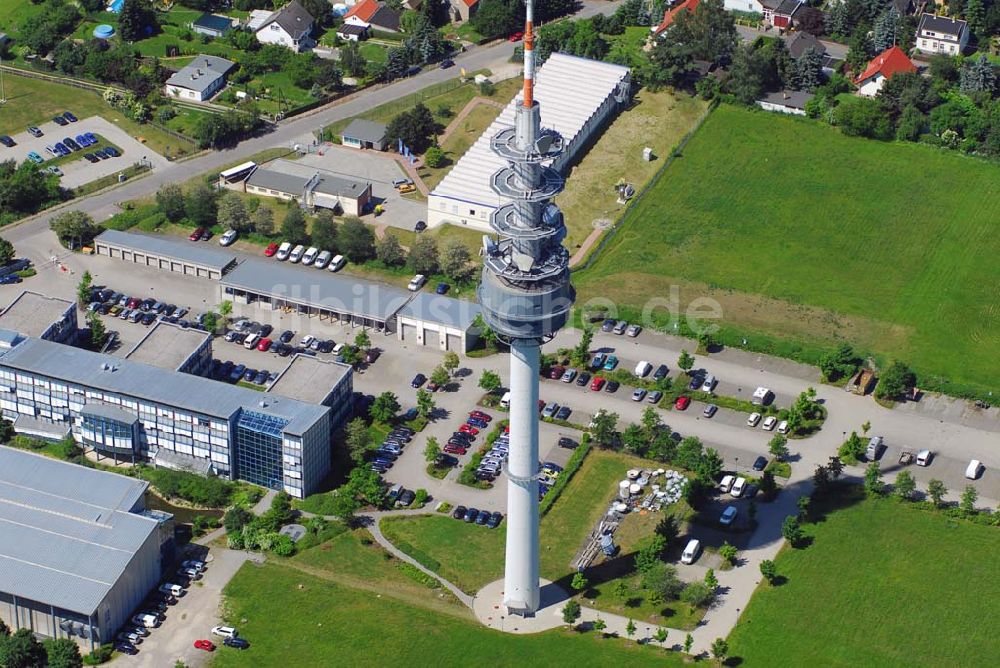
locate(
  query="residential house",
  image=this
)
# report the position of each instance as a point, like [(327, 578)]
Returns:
[(212, 25), (801, 42), (290, 26), (463, 10), (940, 34), (786, 102), (671, 14), (882, 67), (778, 13), (200, 79), (373, 14)]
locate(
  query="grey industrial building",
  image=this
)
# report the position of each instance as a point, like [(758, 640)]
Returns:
[(78, 549), (174, 255), (131, 410), (42, 317), (438, 321), (319, 189)]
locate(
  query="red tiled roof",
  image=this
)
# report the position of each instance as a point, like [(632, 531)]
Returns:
[(470, 3), (364, 10), (668, 18), (889, 62)]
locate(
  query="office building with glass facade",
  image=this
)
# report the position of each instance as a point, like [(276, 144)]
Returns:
[(129, 410)]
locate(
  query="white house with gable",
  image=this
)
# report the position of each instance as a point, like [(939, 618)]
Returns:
[(290, 27)]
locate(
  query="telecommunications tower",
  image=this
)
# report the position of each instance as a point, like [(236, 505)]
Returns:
[(526, 297)]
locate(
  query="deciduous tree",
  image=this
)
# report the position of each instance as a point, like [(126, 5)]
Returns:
[(356, 240), (873, 479), (968, 501), (389, 251), (423, 257), (232, 213), (451, 361), (425, 403), (385, 407), (432, 450), (778, 446), (769, 570), (324, 231), (905, 485), (456, 261), (263, 220), (358, 439), (685, 361), (293, 227), (792, 530), (489, 380)]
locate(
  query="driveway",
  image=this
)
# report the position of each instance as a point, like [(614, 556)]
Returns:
[(192, 618), (79, 171)]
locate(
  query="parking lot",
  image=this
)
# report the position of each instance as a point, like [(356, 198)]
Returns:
[(191, 618), (77, 170), (378, 168)]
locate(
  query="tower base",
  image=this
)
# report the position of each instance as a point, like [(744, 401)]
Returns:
[(491, 611)]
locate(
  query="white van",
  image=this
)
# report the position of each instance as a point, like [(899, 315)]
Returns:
[(283, 250), (251, 341), (337, 263), (322, 259), (761, 397), (974, 469), (172, 589), (296, 254), (642, 369), (309, 256), (709, 383), (148, 621), (738, 487), (924, 458), (691, 551), (416, 283), (727, 483), (505, 400)]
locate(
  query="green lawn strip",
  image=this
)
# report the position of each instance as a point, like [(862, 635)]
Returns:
[(881, 585), (913, 287), (360, 628)]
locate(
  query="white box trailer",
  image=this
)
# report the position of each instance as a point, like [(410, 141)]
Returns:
[(761, 396)]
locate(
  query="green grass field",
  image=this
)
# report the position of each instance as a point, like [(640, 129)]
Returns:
[(32, 101), (293, 620), (882, 585), (471, 556), (803, 234), (13, 13)]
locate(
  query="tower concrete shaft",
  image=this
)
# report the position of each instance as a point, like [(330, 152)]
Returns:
[(526, 296)]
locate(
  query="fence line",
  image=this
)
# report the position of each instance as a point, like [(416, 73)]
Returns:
[(674, 154)]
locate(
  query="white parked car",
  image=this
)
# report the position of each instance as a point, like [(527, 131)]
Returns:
[(738, 487), (973, 470), (192, 573), (283, 250), (783, 427), (769, 423), (194, 563), (753, 419), (924, 458), (224, 631), (251, 341), (296, 253), (691, 551), (337, 263), (322, 259), (228, 237), (416, 283), (307, 341), (171, 589), (727, 483), (309, 256)]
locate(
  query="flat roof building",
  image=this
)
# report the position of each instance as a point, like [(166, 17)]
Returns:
[(362, 133), (34, 314), (174, 255), (443, 322), (78, 549), (276, 285), (315, 188), (317, 381), (577, 96), (130, 410), (176, 348)]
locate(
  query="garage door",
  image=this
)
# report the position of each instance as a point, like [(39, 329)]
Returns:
[(431, 338), (455, 343), (409, 333)]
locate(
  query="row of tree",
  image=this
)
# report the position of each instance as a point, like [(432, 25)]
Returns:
[(25, 189), (22, 649)]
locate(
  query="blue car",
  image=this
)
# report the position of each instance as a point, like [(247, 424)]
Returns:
[(597, 362), (82, 140), (61, 149), (90, 137), (35, 158), (610, 363)]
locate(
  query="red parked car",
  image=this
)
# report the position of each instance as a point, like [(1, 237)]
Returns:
[(263, 345), (517, 37), (454, 449), (196, 235), (682, 403), (206, 645), (556, 372), (271, 249), (485, 417), (468, 429), (597, 384)]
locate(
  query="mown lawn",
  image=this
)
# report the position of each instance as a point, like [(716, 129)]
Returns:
[(471, 556), (294, 620), (13, 13), (32, 101), (803, 234), (881, 585)]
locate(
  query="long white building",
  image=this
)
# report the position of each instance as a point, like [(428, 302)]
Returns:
[(577, 96)]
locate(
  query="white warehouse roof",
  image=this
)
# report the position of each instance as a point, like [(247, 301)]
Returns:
[(570, 91)]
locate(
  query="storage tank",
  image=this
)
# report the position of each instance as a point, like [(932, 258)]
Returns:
[(623, 488)]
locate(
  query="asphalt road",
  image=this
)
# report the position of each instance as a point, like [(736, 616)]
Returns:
[(295, 130)]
